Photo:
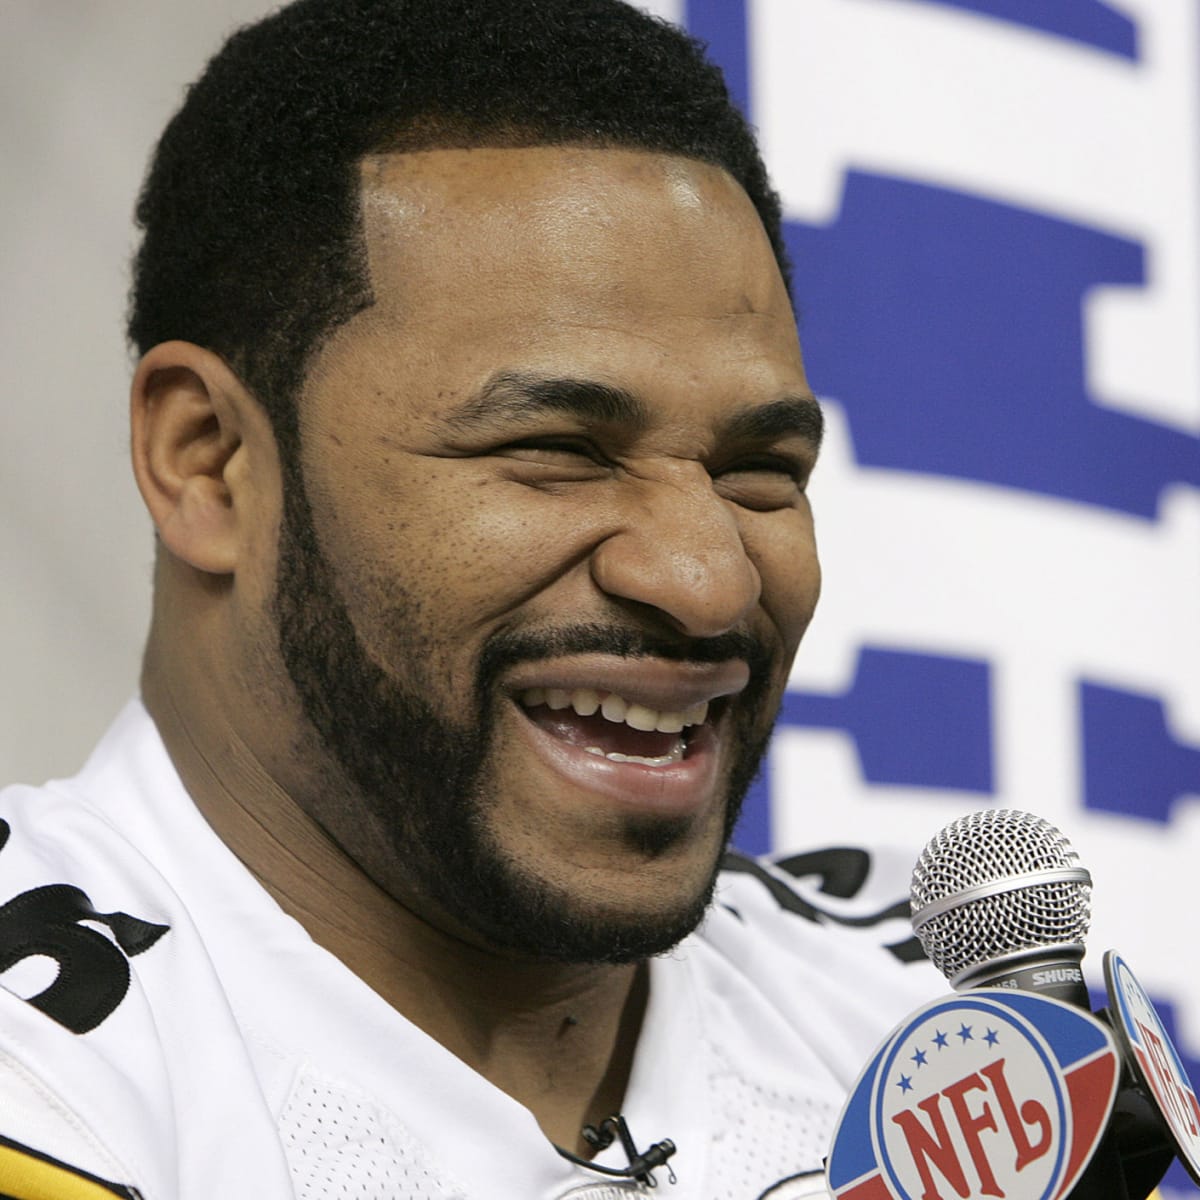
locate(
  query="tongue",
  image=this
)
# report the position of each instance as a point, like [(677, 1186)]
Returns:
[(609, 736)]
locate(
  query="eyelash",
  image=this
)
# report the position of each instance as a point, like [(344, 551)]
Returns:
[(796, 471), (790, 467), (576, 447), (581, 447), (567, 445)]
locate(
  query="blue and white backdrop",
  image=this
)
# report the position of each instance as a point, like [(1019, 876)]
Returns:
[(993, 207)]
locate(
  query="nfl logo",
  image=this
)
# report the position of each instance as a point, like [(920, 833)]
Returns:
[(991, 1094)]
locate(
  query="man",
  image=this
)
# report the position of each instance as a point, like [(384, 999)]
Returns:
[(473, 424)]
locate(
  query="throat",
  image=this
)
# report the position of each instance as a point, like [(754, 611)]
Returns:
[(582, 1078)]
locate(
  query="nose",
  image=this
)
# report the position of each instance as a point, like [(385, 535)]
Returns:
[(678, 549)]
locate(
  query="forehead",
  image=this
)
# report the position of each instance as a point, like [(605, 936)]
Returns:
[(620, 263), (550, 202)]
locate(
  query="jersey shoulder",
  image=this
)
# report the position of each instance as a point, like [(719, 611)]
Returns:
[(857, 889), (825, 931)]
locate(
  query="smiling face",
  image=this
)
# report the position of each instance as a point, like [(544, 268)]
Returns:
[(547, 555)]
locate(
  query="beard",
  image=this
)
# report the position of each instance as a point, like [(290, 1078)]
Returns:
[(423, 774)]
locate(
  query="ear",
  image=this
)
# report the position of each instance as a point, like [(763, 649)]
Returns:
[(190, 416)]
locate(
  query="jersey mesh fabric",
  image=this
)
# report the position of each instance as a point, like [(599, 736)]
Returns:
[(339, 1144), (760, 1131)]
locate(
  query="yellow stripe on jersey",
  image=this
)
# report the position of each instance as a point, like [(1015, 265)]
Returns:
[(27, 1175)]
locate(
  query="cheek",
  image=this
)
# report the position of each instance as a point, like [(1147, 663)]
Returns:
[(493, 546), (783, 547), (447, 549)]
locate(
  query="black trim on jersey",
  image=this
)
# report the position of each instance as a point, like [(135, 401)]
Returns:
[(837, 866), (842, 870), (773, 1190), (93, 973), (783, 895), (117, 1189), (909, 951)]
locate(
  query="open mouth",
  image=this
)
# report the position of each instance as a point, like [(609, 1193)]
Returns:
[(609, 726)]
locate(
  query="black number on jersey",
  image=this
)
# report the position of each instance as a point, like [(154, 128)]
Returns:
[(93, 970)]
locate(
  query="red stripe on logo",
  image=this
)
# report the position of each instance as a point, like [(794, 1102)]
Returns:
[(872, 1188), (1088, 1088)]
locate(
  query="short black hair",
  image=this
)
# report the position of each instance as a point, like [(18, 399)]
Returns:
[(252, 239)]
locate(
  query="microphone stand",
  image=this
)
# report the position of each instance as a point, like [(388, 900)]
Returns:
[(1136, 1151)]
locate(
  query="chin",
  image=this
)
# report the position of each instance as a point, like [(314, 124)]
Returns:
[(602, 914), (611, 937)]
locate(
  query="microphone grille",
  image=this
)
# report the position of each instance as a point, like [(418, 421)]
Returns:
[(976, 896)]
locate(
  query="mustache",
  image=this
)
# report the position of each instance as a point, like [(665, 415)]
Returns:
[(506, 648)]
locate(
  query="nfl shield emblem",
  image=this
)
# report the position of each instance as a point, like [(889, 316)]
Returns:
[(994, 1093), (1152, 1056)]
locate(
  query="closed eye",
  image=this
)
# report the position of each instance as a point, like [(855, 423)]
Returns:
[(771, 463), (565, 446), (763, 482), (572, 454)]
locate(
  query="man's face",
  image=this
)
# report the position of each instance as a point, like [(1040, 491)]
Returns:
[(548, 556)]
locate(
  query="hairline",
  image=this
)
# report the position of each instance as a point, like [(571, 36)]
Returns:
[(420, 138)]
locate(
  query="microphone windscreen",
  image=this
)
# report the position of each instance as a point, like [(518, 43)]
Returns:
[(995, 885)]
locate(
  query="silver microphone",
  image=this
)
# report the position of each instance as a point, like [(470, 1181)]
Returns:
[(999, 899)]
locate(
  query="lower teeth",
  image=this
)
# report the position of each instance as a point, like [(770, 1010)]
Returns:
[(662, 760)]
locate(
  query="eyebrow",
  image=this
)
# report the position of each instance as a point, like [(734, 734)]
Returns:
[(514, 395), (798, 415)]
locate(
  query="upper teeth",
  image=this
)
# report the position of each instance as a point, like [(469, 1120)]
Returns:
[(586, 701)]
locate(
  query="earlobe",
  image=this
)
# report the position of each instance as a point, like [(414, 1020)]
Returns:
[(186, 420)]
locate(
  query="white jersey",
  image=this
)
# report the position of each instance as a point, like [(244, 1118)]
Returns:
[(166, 1031)]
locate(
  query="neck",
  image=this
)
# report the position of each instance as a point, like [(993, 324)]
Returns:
[(558, 1038)]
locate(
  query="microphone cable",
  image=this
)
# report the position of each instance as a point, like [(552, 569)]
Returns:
[(641, 1163)]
